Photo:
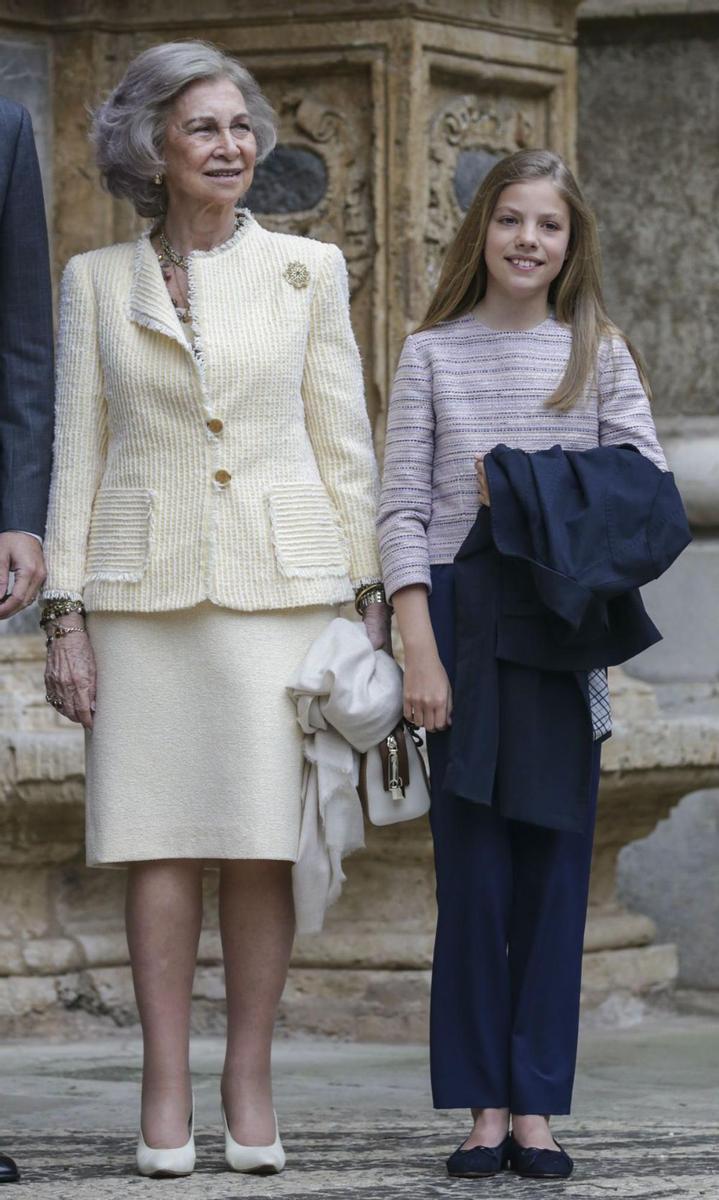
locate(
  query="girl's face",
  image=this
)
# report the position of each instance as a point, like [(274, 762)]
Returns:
[(209, 146), (527, 239)]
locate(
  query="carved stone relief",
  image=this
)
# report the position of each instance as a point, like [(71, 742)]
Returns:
[(468, 134), (317, 181), (292, 180)]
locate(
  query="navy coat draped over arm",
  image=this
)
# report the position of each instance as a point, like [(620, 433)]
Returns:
[(546, 589)]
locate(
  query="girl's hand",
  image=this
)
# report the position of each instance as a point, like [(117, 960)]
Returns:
[(481, 479), (377, 620), (427, 693), (70, 676)]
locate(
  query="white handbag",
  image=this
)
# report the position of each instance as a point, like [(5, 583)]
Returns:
[(393, 783)]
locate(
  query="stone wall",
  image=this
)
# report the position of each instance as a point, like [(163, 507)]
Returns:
[(674, 875), (649, 158)]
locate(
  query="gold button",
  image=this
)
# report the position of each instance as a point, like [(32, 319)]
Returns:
[(222, 477), (215, 425)]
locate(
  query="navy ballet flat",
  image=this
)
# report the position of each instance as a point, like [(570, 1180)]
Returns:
[(480, 1162), (533, 1163), (8, 1170)]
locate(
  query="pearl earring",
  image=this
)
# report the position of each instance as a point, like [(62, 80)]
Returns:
[(158, 179)]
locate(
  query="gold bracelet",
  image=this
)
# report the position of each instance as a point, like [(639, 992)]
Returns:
[(377, 586), (61, 631), (375, 595), (367, 587), (60, 608), (365, 591)]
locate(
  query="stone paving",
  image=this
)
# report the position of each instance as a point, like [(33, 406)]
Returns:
[(357, 1121)]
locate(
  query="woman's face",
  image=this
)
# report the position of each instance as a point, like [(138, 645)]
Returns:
[(209, 146), (527, 238)]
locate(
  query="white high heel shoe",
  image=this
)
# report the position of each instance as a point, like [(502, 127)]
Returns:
[(160, 1163), (254, 1160)]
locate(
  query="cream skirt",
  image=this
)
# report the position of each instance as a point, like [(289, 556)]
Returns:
[(195, 751)]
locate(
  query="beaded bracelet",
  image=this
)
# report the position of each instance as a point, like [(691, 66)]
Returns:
[(61, 608)]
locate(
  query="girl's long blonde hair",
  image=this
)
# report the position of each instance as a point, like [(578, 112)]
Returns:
[(575, 294)]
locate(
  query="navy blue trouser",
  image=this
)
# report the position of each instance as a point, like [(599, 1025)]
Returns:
[(512, 902)]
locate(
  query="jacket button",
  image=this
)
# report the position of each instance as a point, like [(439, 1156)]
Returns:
[(215, 425), (222, 477)]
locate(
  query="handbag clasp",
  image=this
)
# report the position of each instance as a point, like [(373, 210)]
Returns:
[(396, 786)]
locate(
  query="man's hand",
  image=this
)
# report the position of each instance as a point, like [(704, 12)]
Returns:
[(22, 554)]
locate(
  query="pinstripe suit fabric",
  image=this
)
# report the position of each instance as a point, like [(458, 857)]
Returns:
[(26, 353)]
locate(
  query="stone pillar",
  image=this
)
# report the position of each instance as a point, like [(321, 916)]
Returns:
[(648, 158)]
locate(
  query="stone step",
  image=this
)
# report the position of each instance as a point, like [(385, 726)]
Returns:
[(361, 1004)]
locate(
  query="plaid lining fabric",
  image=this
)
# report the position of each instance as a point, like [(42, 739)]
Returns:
[(599, 702)]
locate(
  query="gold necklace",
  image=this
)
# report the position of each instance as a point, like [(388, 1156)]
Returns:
[(168, 257), (183, 260)]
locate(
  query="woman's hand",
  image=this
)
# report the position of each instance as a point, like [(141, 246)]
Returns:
[(377, 619), (481, 479), (70, 675), (427, 692)]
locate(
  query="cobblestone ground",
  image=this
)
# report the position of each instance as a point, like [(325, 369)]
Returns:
[(357, 1122)]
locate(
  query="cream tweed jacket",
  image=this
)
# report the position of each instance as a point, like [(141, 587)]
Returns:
[(241, 472)]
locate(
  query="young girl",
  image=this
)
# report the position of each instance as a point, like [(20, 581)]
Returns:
[(516, 348)]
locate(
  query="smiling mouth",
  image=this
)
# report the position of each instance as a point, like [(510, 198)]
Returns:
[(524, 264), (225, 174)]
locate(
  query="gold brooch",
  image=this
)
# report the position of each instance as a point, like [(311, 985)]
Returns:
[(297, 274)]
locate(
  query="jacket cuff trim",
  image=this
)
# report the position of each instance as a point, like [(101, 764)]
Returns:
[(59, 594)]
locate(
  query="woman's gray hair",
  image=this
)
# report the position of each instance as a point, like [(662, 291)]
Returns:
[(128, 129)]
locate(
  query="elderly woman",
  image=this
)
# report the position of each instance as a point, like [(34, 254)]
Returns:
[(213, 501)]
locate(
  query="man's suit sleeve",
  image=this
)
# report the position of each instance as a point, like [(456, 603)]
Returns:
[(26, 351)]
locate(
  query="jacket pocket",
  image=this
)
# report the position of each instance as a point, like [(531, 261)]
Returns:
[(306, 533), (119, 542)]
